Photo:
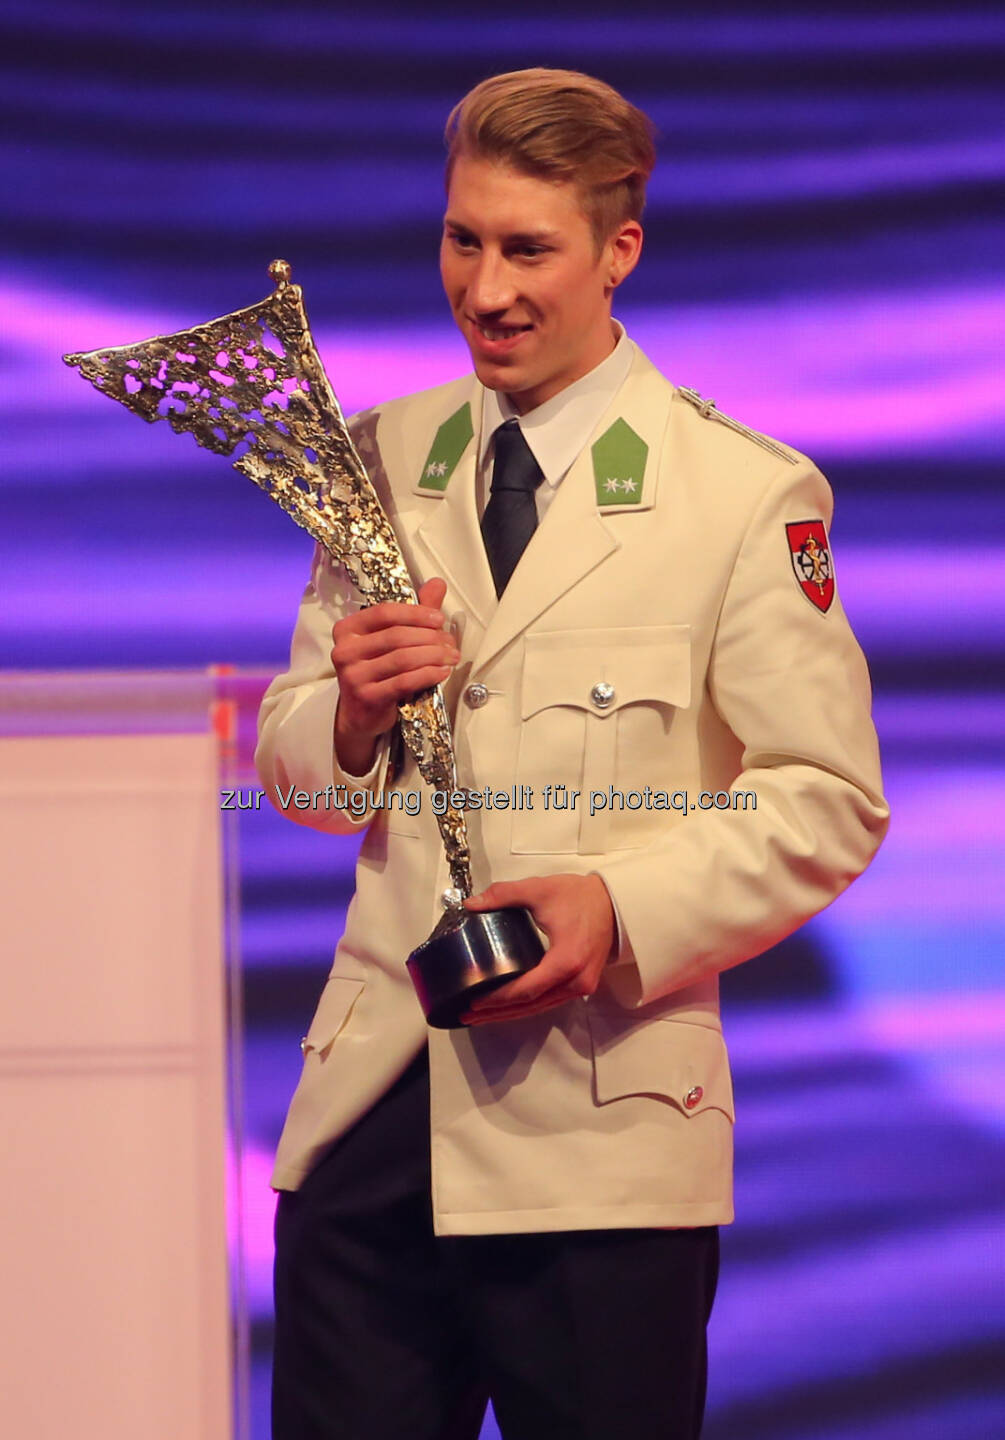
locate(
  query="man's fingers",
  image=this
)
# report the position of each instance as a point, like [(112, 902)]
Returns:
[(375, 694), (349, 648), (552, 971), (380, 669), (549, 1001), (401, 661), (403, 687), (393, 612), (389, 652), (502, 893)]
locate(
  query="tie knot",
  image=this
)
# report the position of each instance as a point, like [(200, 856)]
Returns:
[(514, 467)]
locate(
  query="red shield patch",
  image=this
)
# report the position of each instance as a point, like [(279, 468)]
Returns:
[(811, 561)]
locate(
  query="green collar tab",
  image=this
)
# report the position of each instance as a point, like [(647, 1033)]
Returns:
[(619, 465), (449, 445)]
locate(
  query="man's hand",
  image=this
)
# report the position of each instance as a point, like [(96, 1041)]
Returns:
[(576, 914), (381, 655)]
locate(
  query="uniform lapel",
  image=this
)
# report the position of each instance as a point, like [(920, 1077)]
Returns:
[(450, 533), (574, 536)]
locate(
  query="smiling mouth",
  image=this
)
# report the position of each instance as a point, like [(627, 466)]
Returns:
[(501, 332)]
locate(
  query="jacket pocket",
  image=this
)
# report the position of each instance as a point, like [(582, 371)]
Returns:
[(596, 709), (334, 1008), (673, 1060)]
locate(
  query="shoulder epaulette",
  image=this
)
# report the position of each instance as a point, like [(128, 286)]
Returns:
[(707, 410)]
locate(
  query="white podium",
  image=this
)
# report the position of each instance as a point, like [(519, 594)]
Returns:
[(113, 1240)]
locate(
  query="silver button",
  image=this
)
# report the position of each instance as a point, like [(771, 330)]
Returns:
[(451, 899), (693, 1097), (602, 694), (475, 696)]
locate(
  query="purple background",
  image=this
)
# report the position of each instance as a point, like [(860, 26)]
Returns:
[(824, 244)]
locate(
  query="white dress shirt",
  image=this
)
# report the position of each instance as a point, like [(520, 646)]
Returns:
[(557, 430)]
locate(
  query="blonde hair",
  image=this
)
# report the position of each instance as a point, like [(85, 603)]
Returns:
[(563, 126)]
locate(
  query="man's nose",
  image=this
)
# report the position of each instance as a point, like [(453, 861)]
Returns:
[(491, 286)]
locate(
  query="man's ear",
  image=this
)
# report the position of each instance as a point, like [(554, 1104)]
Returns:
[(622, 252)]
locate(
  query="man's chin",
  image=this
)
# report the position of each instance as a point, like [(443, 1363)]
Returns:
[(495, 374)]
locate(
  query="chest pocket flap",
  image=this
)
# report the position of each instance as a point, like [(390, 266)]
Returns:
[(602, 670), (596, 710)]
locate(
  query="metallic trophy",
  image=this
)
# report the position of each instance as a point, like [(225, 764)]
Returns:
[(251, 384)]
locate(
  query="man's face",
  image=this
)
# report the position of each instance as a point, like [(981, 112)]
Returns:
[(527, 288)]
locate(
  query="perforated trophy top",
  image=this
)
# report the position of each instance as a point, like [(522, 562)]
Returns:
[(251, 384)]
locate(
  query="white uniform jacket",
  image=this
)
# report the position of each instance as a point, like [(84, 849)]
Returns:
[(676, 589)]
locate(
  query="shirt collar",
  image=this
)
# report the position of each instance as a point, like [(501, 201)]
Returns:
[(557, 430)]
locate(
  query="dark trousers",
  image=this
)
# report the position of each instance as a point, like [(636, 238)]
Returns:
[(387, 1332)]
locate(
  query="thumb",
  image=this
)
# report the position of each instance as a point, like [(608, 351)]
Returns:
[(502, 893), (432, 592), (488, 899)]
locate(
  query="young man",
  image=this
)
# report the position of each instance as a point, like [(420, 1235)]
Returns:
[(629, 602)]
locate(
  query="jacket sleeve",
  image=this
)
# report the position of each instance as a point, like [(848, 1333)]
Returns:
[(792, 685), (296, 722)]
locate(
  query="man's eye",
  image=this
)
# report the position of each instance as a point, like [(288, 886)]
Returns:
[(462, 241)]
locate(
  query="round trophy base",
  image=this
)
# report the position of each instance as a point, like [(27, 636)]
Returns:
[(468, 954)]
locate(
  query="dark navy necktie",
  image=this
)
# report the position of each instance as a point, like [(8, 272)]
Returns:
[(510, 517)]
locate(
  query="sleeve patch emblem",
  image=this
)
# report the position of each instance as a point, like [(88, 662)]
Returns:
[(811, 561)]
